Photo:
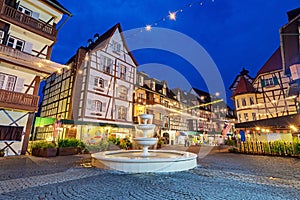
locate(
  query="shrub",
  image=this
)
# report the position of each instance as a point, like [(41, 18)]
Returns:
[(114, 140), (296, 146), (125, 143), (43, 145), (233, 150), (230, 142), (69, 142), (100, 146)]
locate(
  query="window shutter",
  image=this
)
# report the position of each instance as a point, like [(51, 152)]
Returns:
[(105, 83), (103, 106), (117, 92), (89, 104), (116, 112), (19, 84), (101, 61), (275, 80), (1, 36), (35, 15), (263, 83), (28, 47)]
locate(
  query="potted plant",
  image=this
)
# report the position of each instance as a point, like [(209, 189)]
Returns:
[(70, 146), (44, 149)]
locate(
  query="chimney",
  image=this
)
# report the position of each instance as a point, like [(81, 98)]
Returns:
[(96, 36), (90, 41)]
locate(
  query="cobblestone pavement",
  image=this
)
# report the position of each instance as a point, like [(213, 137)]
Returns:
[(219, 175)]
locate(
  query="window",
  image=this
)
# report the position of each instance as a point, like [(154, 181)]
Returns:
[(269, 82), (240, 118), (253, 116), (141, 95), (237, 103), (7, 82), (116, 47), (25, 10), (122, 112), (251, 101), (141, 80), (123, 72), (97, 106), (99, 82), (246, 117), (107, 63), (244, 102), (15, 43), (122, 92), (1, 36)]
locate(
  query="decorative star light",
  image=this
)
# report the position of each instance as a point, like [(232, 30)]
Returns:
[(172, 16), (148, 27)]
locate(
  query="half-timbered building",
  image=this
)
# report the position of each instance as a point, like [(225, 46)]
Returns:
[(27, 33), (96, 93)]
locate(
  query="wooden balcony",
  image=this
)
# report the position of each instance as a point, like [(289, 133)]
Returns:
[(20, 19), (26, 60), (18, 101)]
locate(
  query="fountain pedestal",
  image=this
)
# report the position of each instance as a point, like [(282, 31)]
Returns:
[(146, 126)]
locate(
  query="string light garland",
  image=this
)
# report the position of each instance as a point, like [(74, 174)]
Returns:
[(171, 16)]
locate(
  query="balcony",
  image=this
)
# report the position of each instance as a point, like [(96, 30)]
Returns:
[(18, 101), (26, 60), (20, 19)]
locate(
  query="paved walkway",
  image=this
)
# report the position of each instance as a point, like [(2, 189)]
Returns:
[(219, 175)]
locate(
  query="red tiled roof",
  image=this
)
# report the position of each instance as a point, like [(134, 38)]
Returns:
[(243, 87), (274, 63)]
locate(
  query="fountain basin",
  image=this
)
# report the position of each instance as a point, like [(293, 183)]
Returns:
[(144, 141), (146, 126), (132, 161)]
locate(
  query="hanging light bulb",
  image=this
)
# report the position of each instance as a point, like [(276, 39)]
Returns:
[(148, 28), (172, 15)]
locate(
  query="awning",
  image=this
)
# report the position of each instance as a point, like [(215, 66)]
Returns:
[(44, 121), (77, 122), (181, 133), (278, 122)]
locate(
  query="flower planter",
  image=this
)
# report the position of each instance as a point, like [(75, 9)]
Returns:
[(48, 152), (66, 151), (2, 153)]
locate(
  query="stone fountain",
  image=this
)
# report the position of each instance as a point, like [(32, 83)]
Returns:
[(146, 126), (137, 161)]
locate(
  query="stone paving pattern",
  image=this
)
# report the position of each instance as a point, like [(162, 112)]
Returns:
[(219, 175)]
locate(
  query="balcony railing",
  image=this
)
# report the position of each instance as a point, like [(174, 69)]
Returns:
[(12, 15), (24, 59), (18, 101)]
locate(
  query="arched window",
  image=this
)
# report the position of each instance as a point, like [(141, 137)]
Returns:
[(122, 112), (98, 106), (122, 92)]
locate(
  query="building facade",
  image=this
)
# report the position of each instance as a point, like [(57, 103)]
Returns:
[(27, 33), (269, 103), (94, 97), (178, 112)]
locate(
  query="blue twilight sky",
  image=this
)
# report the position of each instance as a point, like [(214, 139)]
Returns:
[(235, 33)]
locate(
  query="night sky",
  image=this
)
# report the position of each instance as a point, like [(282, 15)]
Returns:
[(235, 33)]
